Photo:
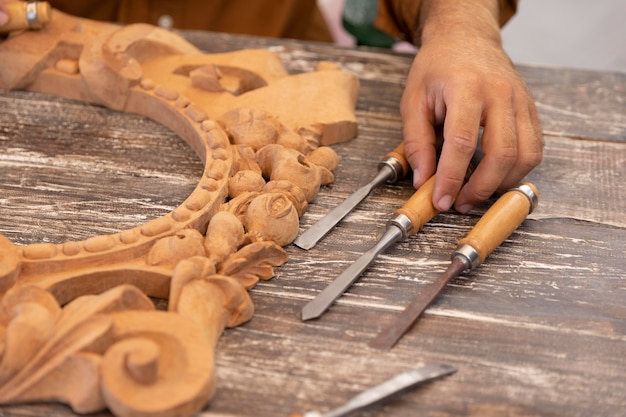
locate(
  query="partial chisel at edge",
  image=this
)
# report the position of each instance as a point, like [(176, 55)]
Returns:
[(392, 168), (502, 218), (399, 383)]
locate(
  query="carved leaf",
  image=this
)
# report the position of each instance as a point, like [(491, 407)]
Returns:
[(29, 314), (253, 262), (81, 326), (9, 264), (114, 350), (215, 302)]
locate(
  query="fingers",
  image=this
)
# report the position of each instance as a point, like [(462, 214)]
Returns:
[(512, 145), (460, 134), (500, 149), (4, 17), (530, 144), (419, 143)]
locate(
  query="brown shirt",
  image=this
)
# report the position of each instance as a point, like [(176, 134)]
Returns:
[(297, 19)]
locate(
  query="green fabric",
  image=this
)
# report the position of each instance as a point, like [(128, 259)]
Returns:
[(358, 19)]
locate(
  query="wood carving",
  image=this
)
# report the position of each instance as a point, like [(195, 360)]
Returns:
[(76, 323)]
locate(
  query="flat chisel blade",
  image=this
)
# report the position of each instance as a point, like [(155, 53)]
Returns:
[(309, 238), (324, 299), (393, 386), (388, 337)]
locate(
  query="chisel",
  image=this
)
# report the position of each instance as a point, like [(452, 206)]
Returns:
[(26, 15), (502, 218), (385, 390), (409, 219), (391, 169)]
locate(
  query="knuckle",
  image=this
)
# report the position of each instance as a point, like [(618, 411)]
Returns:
[(469, 79), (503, 88), (505, 156), (531, 154), (451, 181), (482, 194), (463, 142), (530, 160)]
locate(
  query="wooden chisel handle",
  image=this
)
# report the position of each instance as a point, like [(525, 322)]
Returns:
[(502, 218), (26, 15), (396, 159), (419, 208)]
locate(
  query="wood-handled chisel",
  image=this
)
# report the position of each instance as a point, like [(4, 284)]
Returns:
[(393, 167), (400, 382), (409, 219), (26, 15), (502, 218)]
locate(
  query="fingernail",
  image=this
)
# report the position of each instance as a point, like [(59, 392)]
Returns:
[(445, 202), (416, 177), (464, 209), (4, 18)]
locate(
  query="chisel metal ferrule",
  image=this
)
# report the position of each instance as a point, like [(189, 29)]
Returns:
[(469, 256), (528, 191), (32, 16), (405, 225), (397, 169)]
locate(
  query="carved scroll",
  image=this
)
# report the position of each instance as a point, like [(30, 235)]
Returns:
[(76, 324)]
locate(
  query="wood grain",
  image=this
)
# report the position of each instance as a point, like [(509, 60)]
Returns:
[(538, 330)]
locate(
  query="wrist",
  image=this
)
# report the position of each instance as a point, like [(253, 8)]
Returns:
[(471, 20)]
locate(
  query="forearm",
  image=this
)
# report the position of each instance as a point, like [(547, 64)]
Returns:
[(453, 19), (406, 19)]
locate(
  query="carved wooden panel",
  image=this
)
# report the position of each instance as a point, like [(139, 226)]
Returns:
[(76, 323)]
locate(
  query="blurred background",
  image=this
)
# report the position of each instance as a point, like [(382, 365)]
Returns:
[(564, 33)]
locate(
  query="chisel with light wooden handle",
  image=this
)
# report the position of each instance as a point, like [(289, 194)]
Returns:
[(393, 386), (26, 15), (409, 219), (393, 167), (502, 218)]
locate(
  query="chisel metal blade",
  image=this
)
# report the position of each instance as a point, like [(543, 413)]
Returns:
[(309, 238), (393, 386), (324, 299), (388, 337), (393, 167)]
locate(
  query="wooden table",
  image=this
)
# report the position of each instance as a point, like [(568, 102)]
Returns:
[(538, 330)]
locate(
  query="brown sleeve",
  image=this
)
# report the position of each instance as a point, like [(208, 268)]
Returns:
[(400, 18), (298, 19)]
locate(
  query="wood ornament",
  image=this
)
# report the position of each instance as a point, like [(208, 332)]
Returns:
[(76, 323)]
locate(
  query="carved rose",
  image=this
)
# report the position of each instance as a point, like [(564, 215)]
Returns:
[(273, 217)]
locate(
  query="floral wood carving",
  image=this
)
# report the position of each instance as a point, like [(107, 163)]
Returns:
[(76, 323)]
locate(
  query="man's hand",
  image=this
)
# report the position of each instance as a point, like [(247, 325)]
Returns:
[(463, 79), (4, 17)]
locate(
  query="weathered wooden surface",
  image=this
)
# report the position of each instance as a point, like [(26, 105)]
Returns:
[(538, 330)]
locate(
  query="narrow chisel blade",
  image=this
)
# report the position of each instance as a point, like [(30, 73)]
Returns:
[(388, 337), (309, 238), (324, 299), (399, 383)]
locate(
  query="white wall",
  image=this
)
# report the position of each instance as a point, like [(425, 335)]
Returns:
[(572, 33), (588, 34)]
